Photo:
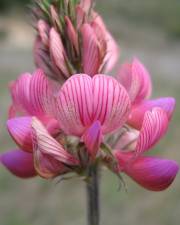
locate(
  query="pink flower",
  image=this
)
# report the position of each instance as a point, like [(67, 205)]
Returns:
[(87, 108), (136, 79), (84, 107), (152, 173), (31, 95), (90, 109), (150, 118)]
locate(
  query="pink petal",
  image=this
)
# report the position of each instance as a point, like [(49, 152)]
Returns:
[(32, 94), (144, 77), (100, 33), (152, 173), (19, 163), (108, 47), (112, 49), (83, 100), (58, 52), (45, 144), (111, 103), (113, 53), (20, 93), (54, 16), (48, 167), (80, 16), (43, 29), (74, 104), (128, 140), (52, 126), (91, 55), (86, 5), (93, 138), (138, 110), (136, 79), (98, 20), (12, 112), (42, 60), (125, 76), (72, 34), (20, 130), (40, 94), (155, 125)]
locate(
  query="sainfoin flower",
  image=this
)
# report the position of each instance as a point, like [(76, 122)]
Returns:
[(136, 79), (62, 129)]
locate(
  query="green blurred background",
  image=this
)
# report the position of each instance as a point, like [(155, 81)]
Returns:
[(149, 30)]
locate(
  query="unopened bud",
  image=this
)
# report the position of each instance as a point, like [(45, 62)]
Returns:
[(43, 29)]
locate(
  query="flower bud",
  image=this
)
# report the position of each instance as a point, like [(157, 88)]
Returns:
[(73, 39), (43, 29), (57, 52)]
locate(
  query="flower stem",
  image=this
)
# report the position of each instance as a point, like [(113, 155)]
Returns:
[(93, 212)]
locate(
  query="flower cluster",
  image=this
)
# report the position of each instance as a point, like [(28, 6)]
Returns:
[(72, 38), (91, 118)]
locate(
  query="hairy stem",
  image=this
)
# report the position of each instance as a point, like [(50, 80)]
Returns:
[(93, 211)]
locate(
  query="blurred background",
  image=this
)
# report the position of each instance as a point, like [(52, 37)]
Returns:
[(149, 30)]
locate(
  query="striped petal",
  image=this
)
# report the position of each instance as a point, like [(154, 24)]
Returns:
[(42, 60), (74, 104), (20, 130), (80, 16), (55, 17), (43, 143), (100, 33), (111, 103), (40, 94), (83, 100), (113, 53), (151, 173), (32, 94), (138, 110), (112, 49), (48, 167), (20, 93), (136, 79), (91, 55), (93, 138), (155, 125), (19, 163), (58, 52)]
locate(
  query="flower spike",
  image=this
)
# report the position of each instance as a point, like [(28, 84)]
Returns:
[(72, 38), (68, 116)]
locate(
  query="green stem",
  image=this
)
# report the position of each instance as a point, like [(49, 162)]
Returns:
[(93, 211)]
